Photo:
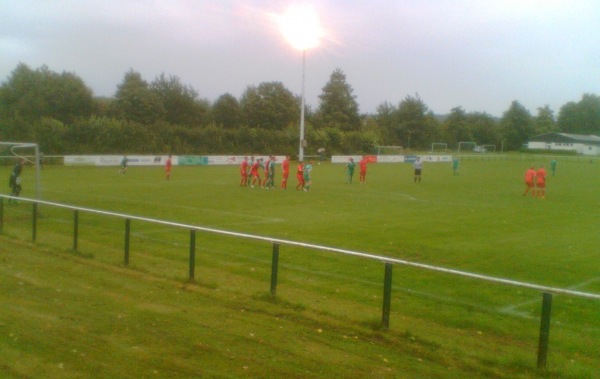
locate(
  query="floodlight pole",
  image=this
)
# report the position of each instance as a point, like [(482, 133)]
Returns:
[(301, 149)]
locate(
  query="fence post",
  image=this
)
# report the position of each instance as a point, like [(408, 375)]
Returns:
[(127, 232), (274, 268), (75, 229), (192, 254), (544, 330), (387, 296), (34, 222)]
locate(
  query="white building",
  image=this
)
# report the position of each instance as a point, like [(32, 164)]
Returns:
[(582, 144)]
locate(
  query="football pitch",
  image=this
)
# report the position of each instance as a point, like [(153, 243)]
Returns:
[(440, 325)]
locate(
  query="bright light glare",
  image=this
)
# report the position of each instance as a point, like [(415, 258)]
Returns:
[(300, 27)]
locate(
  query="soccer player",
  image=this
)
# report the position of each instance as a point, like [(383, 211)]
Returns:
[(266, 168), (418, 166), (350, 170), (244, 172), (363, 170), (455, 164), (254, 172), (300, 175), (168, 168), (285, 171), (307, 177), (530, 181), (271, 173), (123, 169), (540, 178), (553, 164), (15, 180)]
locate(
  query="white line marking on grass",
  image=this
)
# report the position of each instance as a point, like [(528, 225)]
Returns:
[(240, 216), (512, 309)]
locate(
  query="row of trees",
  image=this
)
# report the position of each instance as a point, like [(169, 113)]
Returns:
[(165, 116)]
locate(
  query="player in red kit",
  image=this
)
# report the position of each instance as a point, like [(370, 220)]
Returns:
[(285, 171), (540, 178), (168, 168), (530, 181), (244, 172), (300, 175), (254, 172), (363, 170)]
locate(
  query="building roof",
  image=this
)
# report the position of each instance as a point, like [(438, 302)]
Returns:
[(589, 139)]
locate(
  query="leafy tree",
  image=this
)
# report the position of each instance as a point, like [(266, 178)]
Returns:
[(456, 127), (42, 93), (135, 101), (484, 128), (517, 126), (386, 119), (337, 105), (269, 106), (545, 121), (226, 112), (582, 117), (416, 124), (178, 101)]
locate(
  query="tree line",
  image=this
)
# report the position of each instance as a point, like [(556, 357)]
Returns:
[(61, 114)]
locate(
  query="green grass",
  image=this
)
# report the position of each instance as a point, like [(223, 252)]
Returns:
[(81, 314)]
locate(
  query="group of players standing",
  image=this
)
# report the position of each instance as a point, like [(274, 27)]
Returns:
[(250, 172), (535, 180)]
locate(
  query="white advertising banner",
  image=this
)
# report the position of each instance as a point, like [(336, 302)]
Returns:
[(160, 160), (115, 160)]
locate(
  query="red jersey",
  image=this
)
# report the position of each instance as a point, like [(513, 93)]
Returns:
[(285, 166), (300, 171), (530, 175), (363, 165), (168, 165), (254, 168), (244, 167), (541, 175)]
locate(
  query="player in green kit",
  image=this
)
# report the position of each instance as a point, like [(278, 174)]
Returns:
[(307, 177), (350, 170)]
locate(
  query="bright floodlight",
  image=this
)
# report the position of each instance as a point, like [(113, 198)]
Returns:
[(300, 27)]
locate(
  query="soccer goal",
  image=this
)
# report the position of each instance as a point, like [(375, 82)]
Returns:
[(465, 144), (490, 148), (439, 147), (390, 150), (24, 151)]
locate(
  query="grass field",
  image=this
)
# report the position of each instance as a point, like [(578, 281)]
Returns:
[(81, 314)]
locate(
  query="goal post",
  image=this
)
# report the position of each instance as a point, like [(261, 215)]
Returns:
[(28, 152), (491, 148), (443, 147), (466, 144), (389, 150)]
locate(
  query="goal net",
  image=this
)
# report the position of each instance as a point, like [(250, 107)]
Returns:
[(389, 150), (466, 145), (490, 148), (28, 152), (439, 147)]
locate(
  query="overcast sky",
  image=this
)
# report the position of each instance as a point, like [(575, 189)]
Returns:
[(478, 54)]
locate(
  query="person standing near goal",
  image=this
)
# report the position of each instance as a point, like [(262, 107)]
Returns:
[(15, 180), (418, 166)]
